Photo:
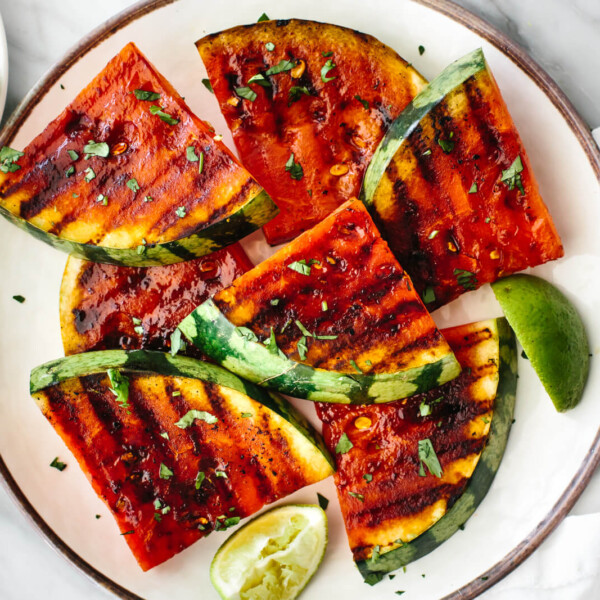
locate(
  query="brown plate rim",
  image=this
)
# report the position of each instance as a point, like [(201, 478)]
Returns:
[(578, 126)]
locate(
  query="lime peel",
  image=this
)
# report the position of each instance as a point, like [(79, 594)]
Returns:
[(551, 332), (273, 556)]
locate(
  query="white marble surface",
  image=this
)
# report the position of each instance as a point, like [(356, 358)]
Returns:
[(564, 37)]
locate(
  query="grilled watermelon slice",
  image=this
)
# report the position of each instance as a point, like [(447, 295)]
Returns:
[(105, 307), (453, 189), (171, 476), (128, 175), (397, 503), (307, 103), (331, 316)]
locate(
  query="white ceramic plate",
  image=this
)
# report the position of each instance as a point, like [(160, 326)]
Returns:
[(3, 66), (549, 456)]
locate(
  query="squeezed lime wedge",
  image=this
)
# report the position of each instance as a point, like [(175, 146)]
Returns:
[(551, 332), (273, 556)]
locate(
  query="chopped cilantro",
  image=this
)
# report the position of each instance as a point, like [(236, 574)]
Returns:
[(246, 93), (201, 163), (190, 153), (260, 79), (428, 295), (199, 479), (72, 154), (512, 175), (294, 168), (368, 477), (446, 145), (119, 386), (164, 472), (96, 149), (263, 17), (301, 347), (485, 420), (146, 95), (102, 199), (274, 302), (191, 415), (133, 185), (324, 306), (20, 299), (428, 457), (328, 66), (9, 158), (176, 393), (280, 67), (300, 266), (473, 188), (424, 409), (365, 103), (177, 344), (221, 474), (231, 521), (357, 496), (421, 50), (303, 329), (270, 46), (487, 219), (432, 234), (344, 444), (128, 532), (427, 152), (180, 211), (57, 464), (69, 171), (206, 84), (246, 415), (89, 174), (148, 199), (326, 54), (296, 92), (466, 279), (165, 435), (156, 110), (323, 502)]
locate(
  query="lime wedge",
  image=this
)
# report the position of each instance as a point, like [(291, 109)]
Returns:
[(273, 556), (551, 333)]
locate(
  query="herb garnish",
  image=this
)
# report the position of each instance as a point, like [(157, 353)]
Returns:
[(20, 299), (102, 199), (328, 66), (294, 168), (270, 46), (128, 532), (300, 266), (72, 154), (165, 435), (272, 345), (344, 444), (368, 477), (191, 415), (246, 415), (326, 54), (164, 472), (428, 295), (96, 149), (324, 306), (280, 67), (296, 92), (274, 302), (424, 409), (221, 474), (138, 325), (473, 188), (365, 103), (447, 145), (357, 496), (9, 158), (512, 175), (57, 464), (466, 279), (69, 171), (246, 93), (167, 118), (199, 479), (432, 234), (303, 329), (421, 50), (190, 153), (301, 347), (260, 79), (133, 185), (119, 386), (323, 502), (201, 163), (263, 17), (177, 344), (180, 211), (428, 457), (146, 95), (207, 85), (89, 174)]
